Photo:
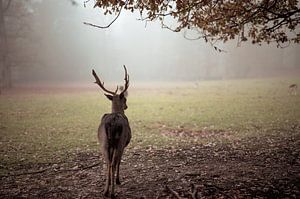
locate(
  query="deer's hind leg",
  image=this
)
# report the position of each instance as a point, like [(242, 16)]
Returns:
[(107, 156), (107, 183), (118, 174), (118, 182), (113, 168)]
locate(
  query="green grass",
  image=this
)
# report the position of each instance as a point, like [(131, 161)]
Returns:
[(41, 127)]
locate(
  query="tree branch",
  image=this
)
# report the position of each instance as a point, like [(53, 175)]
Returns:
[(107, 26), (57, 171), (173, 192), (27, 173), (261, 21), (193, 191)]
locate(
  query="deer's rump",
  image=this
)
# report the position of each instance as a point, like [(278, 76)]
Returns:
[(113, 127), (113, 130)]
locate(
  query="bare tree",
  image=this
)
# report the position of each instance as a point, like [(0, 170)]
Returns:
[(114, 133)]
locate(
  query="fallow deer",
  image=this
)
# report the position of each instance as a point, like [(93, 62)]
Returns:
[(114, 133), (293, 89)]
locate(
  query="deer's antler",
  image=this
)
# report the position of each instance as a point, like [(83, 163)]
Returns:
[(126, 81), (98, 81)]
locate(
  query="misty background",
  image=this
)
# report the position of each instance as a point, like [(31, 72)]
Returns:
[(60, 49)]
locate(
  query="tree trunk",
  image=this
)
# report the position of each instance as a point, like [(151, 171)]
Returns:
[(5, 70)]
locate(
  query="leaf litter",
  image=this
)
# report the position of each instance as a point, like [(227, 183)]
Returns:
[(255, 167)]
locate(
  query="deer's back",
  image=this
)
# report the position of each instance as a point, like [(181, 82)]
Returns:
[(114, 131)]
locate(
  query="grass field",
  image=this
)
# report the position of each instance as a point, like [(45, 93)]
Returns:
[(46, 127)]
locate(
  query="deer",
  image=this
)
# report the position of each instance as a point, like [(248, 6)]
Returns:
[(114, 133), (293, 89)]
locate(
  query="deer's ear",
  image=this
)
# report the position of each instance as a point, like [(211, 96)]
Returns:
[(110, 97)]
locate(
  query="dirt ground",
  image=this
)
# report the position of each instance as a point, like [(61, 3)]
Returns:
[(267, 167)]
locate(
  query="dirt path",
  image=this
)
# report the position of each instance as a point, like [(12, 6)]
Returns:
[(260, 168)]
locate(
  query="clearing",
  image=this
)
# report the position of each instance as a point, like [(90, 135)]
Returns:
[(222, 139)]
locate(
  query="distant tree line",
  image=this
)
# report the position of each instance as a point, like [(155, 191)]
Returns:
[(16, 40)]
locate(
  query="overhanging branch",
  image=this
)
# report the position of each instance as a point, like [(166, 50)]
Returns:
[(107, 26)]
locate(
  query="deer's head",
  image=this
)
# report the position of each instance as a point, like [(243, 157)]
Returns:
[(118, 100)]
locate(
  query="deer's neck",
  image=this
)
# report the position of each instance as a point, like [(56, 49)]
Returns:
[(116, 108)]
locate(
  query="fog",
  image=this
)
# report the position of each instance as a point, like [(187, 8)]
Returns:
[(66, 51)]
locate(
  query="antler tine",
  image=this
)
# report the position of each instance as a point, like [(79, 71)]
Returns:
[(98, 81), (126, 80)]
